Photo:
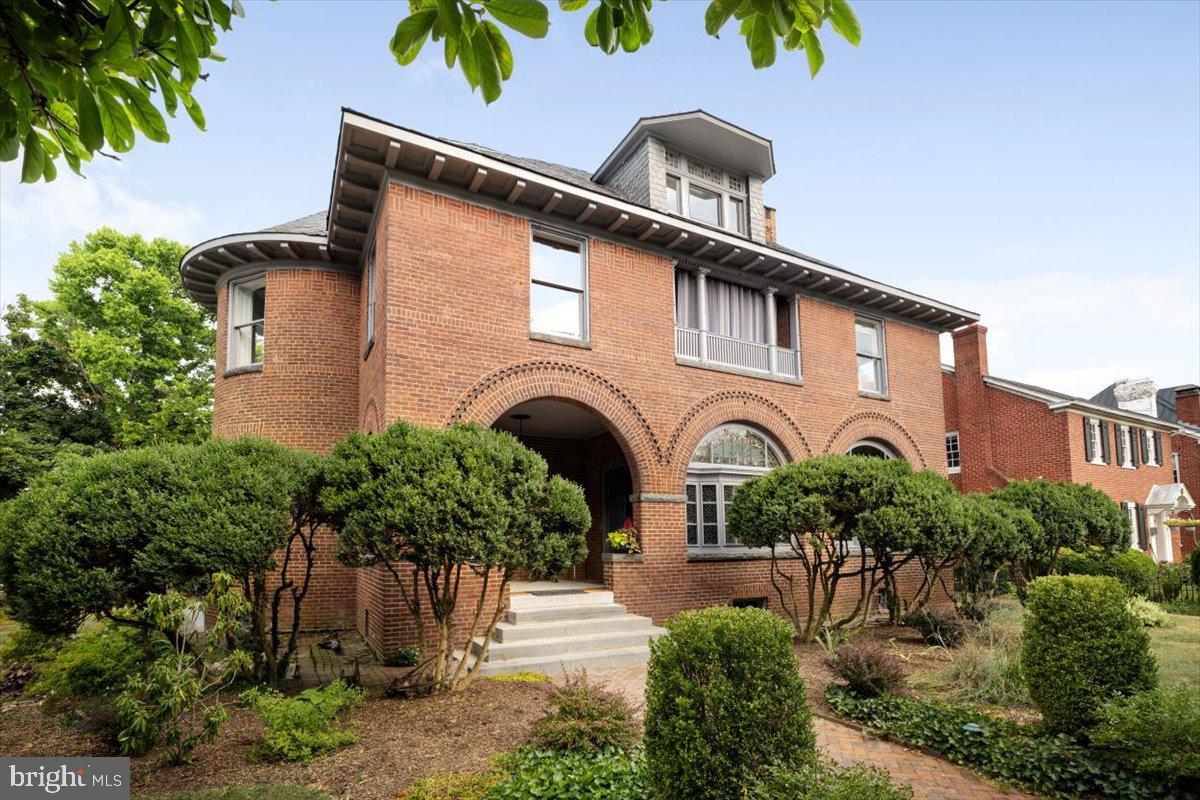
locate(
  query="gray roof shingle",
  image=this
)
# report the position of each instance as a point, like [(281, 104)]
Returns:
[(313, 225)]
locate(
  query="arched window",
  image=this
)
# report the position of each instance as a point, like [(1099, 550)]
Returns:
[(873, 448), (725, 457)]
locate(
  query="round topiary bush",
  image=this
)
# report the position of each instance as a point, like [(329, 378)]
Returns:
[(1134, 569), (724, 701), (1081, 647)]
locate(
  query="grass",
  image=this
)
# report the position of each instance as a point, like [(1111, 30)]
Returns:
[(1176, 645), (7, 628), (521, 677), (272, 792)]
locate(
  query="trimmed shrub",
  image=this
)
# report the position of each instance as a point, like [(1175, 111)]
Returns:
[(1169, 581), (829, 781), (301, 728), (867, 671), (587, 717), (1148, 612), (572, 775), (1081, 647), (724, 700), (1134, 569), (96, 663), (1018, 754), (1156, 732), (943, 628)]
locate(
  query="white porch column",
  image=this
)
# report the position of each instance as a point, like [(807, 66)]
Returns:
[(772, 334), (795, 320), (702, 311)]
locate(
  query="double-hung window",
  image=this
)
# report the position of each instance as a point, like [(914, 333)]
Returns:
[(1150, 448), (869, 347), (247, 312), (558, 285), (706, 193), (1095, 441), (953, 457), (1125, 445), (720, 463)]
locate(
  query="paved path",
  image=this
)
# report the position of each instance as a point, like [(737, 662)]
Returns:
[(931, 778)]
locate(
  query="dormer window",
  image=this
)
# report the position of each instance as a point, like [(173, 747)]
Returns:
[(706, 193)]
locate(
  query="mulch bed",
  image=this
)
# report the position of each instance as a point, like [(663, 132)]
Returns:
[(399, 742)]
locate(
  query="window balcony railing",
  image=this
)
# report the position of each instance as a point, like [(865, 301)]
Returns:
[(704, 347)]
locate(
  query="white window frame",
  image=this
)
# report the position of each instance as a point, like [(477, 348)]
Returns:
[(540, 232), (1131, 510), (720, 476), (1128, 442), (236, 289), (724, 207), (1152, 455), (1097, 441), (880, 359), (953, 448)]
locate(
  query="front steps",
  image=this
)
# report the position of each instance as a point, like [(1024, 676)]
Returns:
[(558, 628)]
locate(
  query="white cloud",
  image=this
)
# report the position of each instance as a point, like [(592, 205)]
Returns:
[(1075, 332), (38, 221)]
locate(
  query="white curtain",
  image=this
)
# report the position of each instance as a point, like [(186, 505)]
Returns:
[(733, 310)]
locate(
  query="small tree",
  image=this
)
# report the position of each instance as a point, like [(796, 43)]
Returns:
[(998, 534), (811, 510), (430, 505)]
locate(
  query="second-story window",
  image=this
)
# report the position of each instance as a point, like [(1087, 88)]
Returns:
[(737, 215), (953, 457), (558, 285), (247, 312), (1125, 445), (1095, 441), (869, 347), (371, 297), (1151, 444)]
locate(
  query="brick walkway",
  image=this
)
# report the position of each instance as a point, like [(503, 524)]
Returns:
[(931, 778)]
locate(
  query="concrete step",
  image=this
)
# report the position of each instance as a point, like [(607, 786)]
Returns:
[(558, 666), (572, 626), (559, 646), (524, 601), (521, 616)]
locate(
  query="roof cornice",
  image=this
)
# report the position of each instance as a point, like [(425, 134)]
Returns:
[(1060, 403)]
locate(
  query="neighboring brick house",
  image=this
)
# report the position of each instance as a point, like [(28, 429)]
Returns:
[(1000, 430), (639, 326), (1175, 404)]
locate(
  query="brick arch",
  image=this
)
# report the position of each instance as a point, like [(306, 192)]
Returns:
[(873, 425), (734, 406), (556, 380), (371, 418)]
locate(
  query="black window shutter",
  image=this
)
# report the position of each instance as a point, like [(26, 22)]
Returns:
[(1143, 542), (1142, 439), (1120, 445), (1158, 453), (1133, 446), (1087, 439), (1105, 448)]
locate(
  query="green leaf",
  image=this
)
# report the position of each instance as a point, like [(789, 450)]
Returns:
[(120, 36), (845, 21), (91, 129), (451, 52), (147, 118), (717, 14), (812, 48), (529, 17), (606, 34), (194, 111), (572, 5), (32, 165), (760, 40), (468, 63), (450, 18), (589, 28), (410, 36), (10, 146), (118, 129), (641, 18), (500, 47), (486, 64), (49, 171)]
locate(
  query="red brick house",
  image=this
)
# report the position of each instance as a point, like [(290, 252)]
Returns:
[(638, 325), (1000, 430)]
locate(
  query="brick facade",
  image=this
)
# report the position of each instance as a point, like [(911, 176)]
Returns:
[(451, 343), (1005, 435)]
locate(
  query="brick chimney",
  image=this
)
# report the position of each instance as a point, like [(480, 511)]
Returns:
[(1187, 404), (970, 350), (769, 223)]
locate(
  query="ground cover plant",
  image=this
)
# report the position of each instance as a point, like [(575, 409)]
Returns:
[(302, 727), (866, 670)]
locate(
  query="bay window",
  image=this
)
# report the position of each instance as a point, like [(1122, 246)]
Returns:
[(720, 463)]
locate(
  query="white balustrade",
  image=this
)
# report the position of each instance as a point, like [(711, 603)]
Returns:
[(731, 352)]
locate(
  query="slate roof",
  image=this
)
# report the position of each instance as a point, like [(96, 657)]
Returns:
[(1165, 400), (571, 175), (313, 224)]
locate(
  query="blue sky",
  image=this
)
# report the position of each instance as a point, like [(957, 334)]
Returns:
[(1036, 162)]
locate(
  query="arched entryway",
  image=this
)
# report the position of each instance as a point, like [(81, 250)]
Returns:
[(578, 445)]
